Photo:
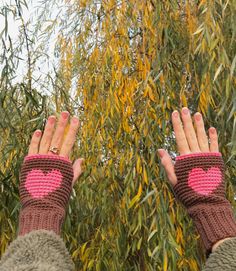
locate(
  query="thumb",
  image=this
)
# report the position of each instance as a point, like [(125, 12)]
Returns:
[(78, 169), (167, 163)]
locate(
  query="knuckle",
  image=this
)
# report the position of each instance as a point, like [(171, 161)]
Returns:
[(74, 129), (165, 161), (69, 145), (214, 137), (34, 141), (62, 124)]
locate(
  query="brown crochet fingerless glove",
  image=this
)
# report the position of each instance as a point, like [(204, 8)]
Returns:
[(45, 187), (201, 189)]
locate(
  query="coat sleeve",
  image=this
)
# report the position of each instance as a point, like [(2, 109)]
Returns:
[(223, 258), (39, 250)]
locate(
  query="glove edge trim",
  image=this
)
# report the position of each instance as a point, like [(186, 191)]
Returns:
[(47, 156), (198, 154)]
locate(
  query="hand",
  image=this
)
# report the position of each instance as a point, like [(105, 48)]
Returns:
[(202, 193), (41, 143), (47, 176), (188, 140)]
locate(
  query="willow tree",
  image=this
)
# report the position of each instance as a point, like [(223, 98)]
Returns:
[(123, 67)]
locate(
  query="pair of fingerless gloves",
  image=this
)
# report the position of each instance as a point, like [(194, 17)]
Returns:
[(46, 183)]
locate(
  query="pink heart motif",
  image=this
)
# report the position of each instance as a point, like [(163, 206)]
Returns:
[(40, 184), (204, 182)]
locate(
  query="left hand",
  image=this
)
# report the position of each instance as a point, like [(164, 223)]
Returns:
[(54, 137)]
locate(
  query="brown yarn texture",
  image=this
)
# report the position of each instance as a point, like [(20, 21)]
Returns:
[(211, 212), (43, 198)]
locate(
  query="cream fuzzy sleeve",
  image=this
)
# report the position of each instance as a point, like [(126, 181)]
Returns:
[(45, 251), (39, 250), (223, 258)]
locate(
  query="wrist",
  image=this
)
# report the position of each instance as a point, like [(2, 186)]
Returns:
[(215, 246), (213, 223), (39, 219)]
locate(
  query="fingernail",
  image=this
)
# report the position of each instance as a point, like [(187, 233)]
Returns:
[(38, 133), (161, 152), (65, 114), (175, 114), (212, 130), (185, 110), (198, 116), (51, 119)]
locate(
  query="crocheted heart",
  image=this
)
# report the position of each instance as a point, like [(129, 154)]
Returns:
[(204, 182), (40, 184)]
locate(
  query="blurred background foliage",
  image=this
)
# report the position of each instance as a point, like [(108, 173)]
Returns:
[(122, 67)]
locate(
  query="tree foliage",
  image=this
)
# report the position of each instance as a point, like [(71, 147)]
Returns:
[(122, 67)]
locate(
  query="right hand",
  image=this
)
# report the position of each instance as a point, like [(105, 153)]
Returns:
[(188, 140), (198, 179)]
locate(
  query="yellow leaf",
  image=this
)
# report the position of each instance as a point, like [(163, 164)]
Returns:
[(193, 264), (140, 189), (184, 100), (145, 177), (150, 94), (165, 263), (90, 264), (138, 165), (136, 197), (83, 248)]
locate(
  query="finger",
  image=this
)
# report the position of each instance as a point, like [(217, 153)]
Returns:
[(78, 169), (47, 135), (189, 130), (34, 143), (182, 144), (69, 141), (214, 147), (60, 129), (201, 133), (167, 163)]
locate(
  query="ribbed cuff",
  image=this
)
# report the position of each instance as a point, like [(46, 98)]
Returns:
[(213, 224), (40, 220)]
